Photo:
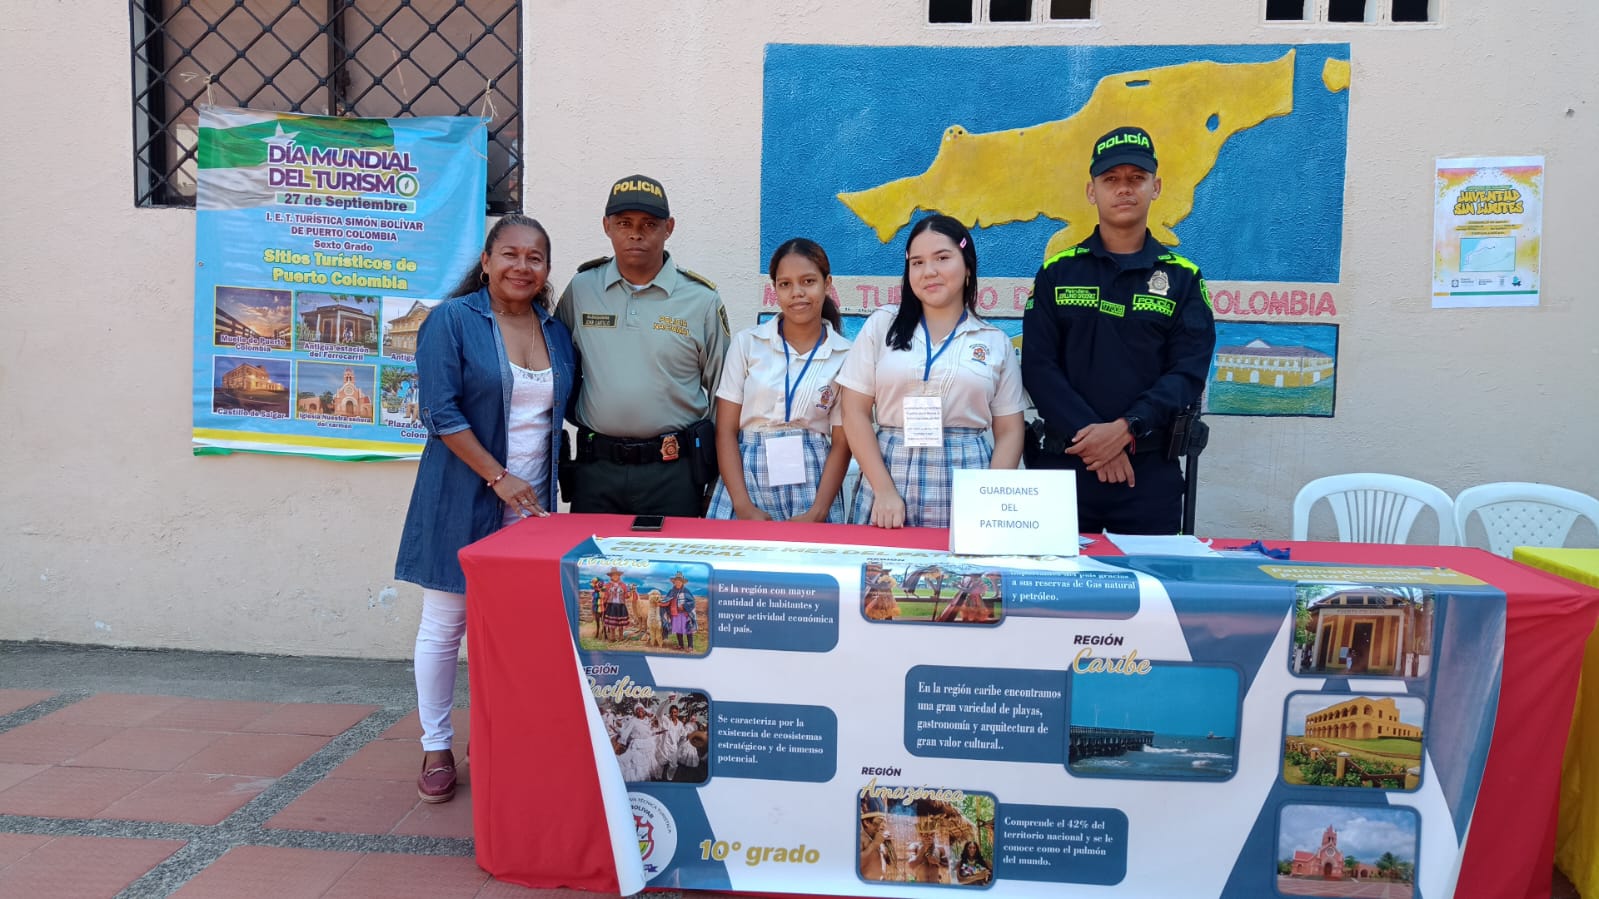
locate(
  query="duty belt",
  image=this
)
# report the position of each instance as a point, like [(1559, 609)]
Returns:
[(596, 447)]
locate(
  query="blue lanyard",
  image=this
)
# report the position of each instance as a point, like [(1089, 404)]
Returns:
[(788, 391), (928, 337)]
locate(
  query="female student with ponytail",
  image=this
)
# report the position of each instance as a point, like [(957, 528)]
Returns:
[(779, 442), (939, 379)]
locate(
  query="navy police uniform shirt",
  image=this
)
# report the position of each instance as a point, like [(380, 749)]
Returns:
[(1107, 336)]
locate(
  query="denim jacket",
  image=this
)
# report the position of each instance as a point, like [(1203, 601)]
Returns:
[(465, 382)]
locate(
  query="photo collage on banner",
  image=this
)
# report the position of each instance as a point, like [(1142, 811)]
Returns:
[(321, 246), (1044, 724)]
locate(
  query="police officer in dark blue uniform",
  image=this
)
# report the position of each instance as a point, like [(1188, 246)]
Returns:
[(1116, 342)]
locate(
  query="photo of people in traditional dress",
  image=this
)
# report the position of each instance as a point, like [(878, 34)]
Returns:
[(1346, 850), (946, 841), (1175, 721), (253, 318), (1342, 740), (634, 606), (663, 739), (922, 591), (250, 385), (1362, 630)]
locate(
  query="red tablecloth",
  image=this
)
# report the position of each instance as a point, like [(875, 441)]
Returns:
[(536, 794)]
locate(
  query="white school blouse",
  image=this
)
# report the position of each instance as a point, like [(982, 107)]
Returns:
[(752, 376), (977, 376)]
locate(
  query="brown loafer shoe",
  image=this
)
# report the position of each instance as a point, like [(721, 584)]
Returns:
[(436, 784)]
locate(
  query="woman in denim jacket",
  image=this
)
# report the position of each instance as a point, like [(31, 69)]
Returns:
[(495, 370)]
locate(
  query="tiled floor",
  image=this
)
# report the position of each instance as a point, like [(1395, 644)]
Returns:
[(120, 795)]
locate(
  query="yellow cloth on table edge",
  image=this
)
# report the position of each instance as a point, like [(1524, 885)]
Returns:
[(1577, 835)]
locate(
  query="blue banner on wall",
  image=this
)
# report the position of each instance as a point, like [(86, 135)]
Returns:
[(847, 721), (320, 246)]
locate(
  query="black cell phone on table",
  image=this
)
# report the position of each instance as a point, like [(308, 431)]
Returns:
[(648, 522)]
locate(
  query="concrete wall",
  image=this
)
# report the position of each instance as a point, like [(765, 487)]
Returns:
[(112, 532)]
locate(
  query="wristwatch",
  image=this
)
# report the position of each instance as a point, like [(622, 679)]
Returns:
[(1135, 426)]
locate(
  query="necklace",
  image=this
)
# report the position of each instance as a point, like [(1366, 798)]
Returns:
[(512, 314)]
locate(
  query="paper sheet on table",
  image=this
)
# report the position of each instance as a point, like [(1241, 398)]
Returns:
[(1161, 545)]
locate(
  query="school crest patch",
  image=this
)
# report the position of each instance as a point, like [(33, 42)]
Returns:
[(825, 400), (980, 354)]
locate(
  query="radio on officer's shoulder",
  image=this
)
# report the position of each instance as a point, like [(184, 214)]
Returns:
[(1189, 435)]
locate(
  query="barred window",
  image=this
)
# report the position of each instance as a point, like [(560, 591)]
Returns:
[(1370, 12), (945, 12), (370, 58)]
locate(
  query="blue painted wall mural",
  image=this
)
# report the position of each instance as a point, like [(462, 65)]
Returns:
[(858, 141)]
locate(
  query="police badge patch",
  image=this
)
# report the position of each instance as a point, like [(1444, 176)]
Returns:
[(1159, 282), (669, 450)]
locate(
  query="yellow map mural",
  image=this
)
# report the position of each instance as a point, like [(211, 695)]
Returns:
[(1190, 110)]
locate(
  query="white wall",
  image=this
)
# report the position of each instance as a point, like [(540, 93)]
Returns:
[(112, 532)]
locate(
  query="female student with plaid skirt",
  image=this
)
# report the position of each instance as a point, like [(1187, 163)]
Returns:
[(779, 442), (939, 378)]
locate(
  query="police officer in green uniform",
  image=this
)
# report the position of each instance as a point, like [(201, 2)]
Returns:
[(1116, 342), (651, 336)]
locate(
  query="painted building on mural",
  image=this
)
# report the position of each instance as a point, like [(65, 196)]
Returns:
[(1258, 362), (1361, 718)]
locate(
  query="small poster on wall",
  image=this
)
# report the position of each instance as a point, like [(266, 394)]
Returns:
[(1487, 231)]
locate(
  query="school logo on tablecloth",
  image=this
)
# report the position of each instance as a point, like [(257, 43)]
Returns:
[(657, 833)]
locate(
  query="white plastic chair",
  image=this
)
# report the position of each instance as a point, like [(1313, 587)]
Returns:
[(1518, 513), (1374, 508)]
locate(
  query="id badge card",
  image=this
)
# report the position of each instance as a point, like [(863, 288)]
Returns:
[(924, 421), (785, 460)]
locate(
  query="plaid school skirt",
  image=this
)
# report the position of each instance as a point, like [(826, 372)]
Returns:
[(924, 476), (782, 503)]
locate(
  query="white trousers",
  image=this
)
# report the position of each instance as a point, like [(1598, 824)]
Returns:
[(438, 651)]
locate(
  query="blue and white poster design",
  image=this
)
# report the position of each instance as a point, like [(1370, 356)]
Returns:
[(862, 721), (320, 246)]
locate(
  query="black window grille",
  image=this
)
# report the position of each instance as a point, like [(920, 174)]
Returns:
[(370, 58)]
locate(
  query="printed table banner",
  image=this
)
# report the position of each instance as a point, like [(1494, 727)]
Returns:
[(851, 720), (320, 246)]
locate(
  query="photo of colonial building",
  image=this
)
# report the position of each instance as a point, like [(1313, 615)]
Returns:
[(1347, 851), (1361, 718), (1373, 742), (248, 376), (343, 391), (250, 385), (400, 332), (1372, 631), (344, 320)]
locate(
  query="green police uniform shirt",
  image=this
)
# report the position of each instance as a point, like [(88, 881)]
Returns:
[(651, 358)]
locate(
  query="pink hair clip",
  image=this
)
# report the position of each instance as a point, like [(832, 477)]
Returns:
[(962, 244)]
